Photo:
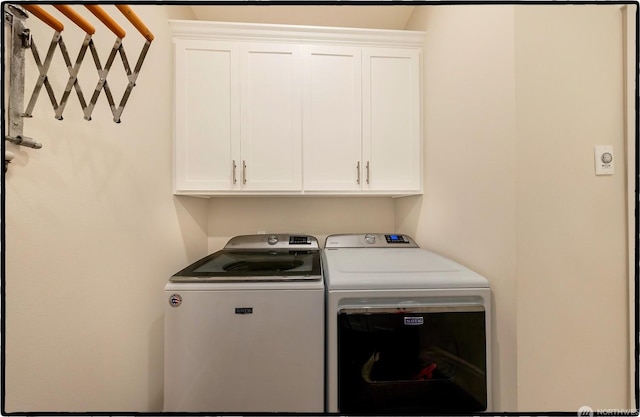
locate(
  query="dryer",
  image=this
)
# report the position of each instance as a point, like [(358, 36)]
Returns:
[(408, 331), (244, 329)]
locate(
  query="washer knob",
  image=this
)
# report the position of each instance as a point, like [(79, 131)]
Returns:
[(272, 240), (370, 239)]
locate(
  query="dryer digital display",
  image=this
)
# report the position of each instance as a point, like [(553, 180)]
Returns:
[(396, 239)]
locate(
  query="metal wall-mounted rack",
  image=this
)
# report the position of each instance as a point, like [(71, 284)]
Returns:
[(15, 16)]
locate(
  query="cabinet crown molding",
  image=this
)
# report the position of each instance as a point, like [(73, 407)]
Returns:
[(198, 29)]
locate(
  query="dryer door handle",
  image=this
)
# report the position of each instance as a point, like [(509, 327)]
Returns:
[(411, 309)]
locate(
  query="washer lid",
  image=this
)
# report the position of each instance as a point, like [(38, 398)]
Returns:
[(253, 265), (395, 268), (275, 257)]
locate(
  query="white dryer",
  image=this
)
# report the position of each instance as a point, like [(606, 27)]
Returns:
[(408, 331), (244, 329)]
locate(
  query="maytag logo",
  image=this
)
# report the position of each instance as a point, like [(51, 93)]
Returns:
[(413, 321), (175, 300), (244, 310)]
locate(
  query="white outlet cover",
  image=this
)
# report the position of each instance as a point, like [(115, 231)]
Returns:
[(604, 159)]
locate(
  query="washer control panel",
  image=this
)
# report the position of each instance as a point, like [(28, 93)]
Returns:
[(273, 241), (370, 240)]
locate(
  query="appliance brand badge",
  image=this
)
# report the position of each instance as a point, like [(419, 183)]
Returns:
[(175, 300), (413, 321), (244, 310)]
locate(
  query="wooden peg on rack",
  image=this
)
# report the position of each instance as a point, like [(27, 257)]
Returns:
[(106, 19), (41, 14), (128, 12), (76, 18)]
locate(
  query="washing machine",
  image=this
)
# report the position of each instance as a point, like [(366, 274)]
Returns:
[(244, 329), (408, 331)]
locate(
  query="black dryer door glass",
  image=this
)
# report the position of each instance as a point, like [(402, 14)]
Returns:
[(423, 361)]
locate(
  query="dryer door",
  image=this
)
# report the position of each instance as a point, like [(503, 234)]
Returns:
[(417, 359)]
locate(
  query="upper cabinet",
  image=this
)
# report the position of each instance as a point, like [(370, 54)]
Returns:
[(207, 115), (270, 117), (237, 117), (288, 110), (332, 118), (391, 119)]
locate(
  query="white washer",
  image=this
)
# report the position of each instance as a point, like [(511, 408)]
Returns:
[(244, 329), (408, 331)]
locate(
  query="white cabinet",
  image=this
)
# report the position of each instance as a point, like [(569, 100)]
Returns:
[(288, 110), (207, 111), (362, 119), (391, 119), (332, 118), (237, 117), (270, 131)]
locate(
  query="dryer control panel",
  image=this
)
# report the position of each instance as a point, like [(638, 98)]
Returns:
[(370, 240), (401, 239)]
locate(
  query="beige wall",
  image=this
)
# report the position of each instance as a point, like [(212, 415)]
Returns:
[(515, 99), (468, 210), (316, 216), (390, 17), (572, 265), (93, 231), (631, 69), (92, 234)]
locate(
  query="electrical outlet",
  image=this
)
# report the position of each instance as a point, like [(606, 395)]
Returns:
[(603, 156)]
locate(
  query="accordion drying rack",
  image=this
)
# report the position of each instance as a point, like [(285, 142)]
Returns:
[(21, 40)]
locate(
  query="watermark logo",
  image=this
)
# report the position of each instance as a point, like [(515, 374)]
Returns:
[(586, 411)]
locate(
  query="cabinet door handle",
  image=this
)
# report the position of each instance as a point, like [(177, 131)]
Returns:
[(235, 180), (244, 172), (358, 172), (367, 172)]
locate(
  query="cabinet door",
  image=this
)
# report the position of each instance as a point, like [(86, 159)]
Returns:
[(207, 115), (271, 134), (332, 118), (391, 119)]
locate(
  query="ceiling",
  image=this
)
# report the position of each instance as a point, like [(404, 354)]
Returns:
[(374, 17)]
